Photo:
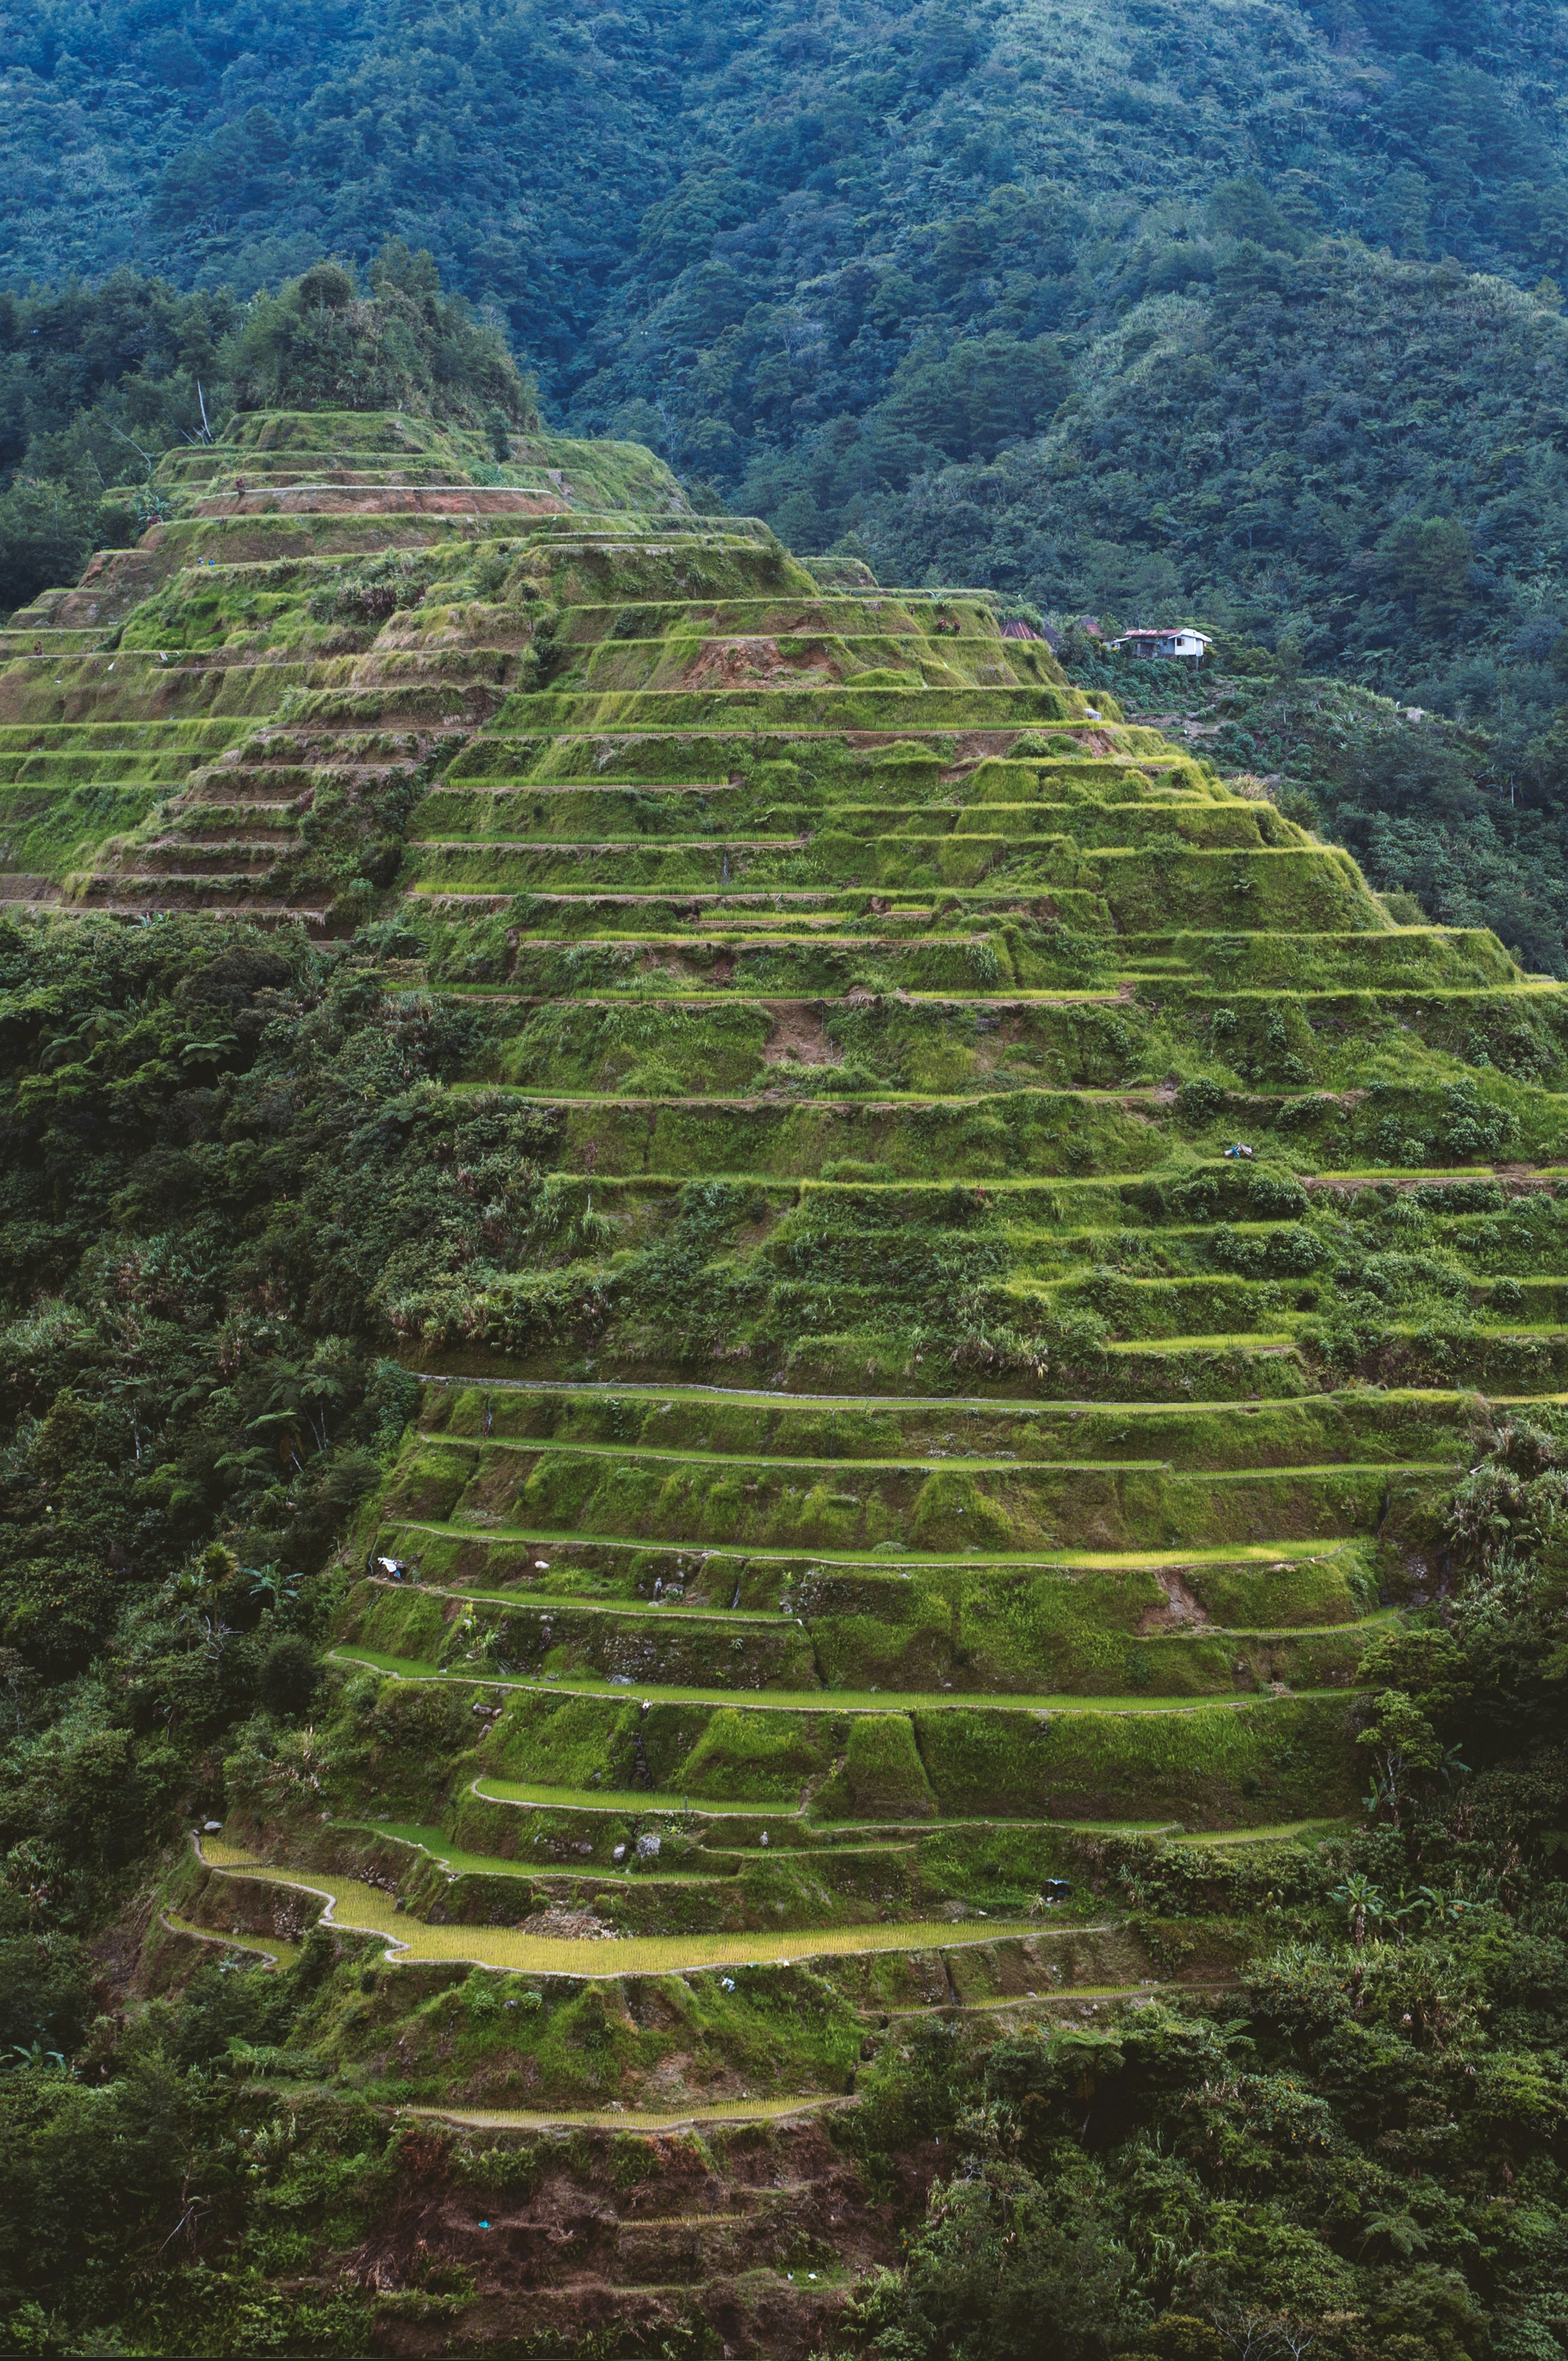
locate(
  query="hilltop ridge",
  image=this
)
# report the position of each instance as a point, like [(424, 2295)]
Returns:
[(210, 673)]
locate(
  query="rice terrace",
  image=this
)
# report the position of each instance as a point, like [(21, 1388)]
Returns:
[(785, 1347)]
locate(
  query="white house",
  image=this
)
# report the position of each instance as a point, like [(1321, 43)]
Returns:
[(1181, 640)]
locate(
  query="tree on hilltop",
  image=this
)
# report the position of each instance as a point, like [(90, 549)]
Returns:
[(324, 343)]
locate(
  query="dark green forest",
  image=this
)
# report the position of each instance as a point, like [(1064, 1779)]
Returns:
[(1285, 271)]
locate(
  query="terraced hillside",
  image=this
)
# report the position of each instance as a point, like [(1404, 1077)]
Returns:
[(997, 1251), (216, 720)]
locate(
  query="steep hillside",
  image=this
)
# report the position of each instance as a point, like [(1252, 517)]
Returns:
[(744, 1385), (603, 157), (1340, 449), (238, 653), (1455, 821)]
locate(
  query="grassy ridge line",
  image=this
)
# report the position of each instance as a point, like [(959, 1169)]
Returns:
[(273, 1953), (704, 997), (363, 1909), (1249, 1552), (440, 1850), (1068, 1995), (548, 1605), (634, 2119), (729, 2110), (878, 1701), (930, 1464), (524, 1797), (1521, 1177), (1287, 1832), (781, 1398), (432, 1840), (879, 1097)]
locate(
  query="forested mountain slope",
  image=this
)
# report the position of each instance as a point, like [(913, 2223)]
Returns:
[(1248, 311), (602, 156), (1370, 455)]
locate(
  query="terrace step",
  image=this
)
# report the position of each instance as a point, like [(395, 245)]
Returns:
[(45, 639), (356, 1906), (388, 498)]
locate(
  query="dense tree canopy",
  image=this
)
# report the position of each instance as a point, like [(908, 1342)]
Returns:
[(325, 345), (95, 382), (822, 258)]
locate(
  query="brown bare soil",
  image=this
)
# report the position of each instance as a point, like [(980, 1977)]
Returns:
[(799, 1036), (731, 663)]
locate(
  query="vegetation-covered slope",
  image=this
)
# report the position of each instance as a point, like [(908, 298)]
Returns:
[(751, 1367), (1448, 818)]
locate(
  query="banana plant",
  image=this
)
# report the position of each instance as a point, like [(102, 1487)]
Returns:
[(278, 1590), (1361, 1900)]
